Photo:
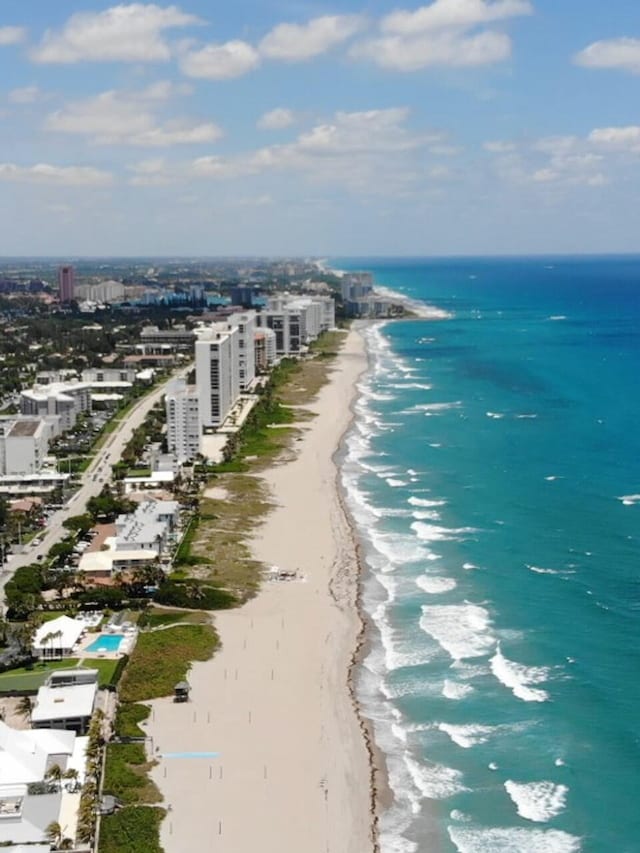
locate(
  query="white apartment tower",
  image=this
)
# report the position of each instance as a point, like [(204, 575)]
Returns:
[(217, 373), (245, 323), (183, 420)]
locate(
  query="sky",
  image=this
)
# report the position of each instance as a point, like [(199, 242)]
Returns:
[(359, 127)]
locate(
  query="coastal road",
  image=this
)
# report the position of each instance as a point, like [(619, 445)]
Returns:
[(93, 480)]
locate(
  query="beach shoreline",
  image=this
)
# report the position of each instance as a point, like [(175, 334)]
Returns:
[(273, 751)]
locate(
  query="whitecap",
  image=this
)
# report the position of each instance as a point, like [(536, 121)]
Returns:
[(540, 571), (518, 677), (470, 566), (435, 585), (495, 415), (456, 691), (526, 416), (513, 840), (456, 814), (426, 515), (629, 500), (557, 317), (396, 483), (467, 736), (435, 533), (462, 630), (434, 781), (537, 801), (424, 502)]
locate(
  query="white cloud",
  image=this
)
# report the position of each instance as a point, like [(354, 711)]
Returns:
[(12, 35), (368, 152), (276, 119), (555, 161), (123, 33), (297, 42), (621, 53), (617, 138), (24, 95), (453, 14), (117, 118), (443, 33), (220, 61), (44, 173), (398, 53)]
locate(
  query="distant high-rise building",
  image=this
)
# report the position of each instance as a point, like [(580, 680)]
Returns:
[(65, 283)]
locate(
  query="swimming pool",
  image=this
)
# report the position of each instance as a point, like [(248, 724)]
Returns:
[(106, 643)]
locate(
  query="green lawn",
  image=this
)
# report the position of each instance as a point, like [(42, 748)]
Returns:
[(30, 679), (162, 658), (106, 669)]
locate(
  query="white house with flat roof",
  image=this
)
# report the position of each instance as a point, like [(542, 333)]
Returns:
[(66, 700), (25, 757)]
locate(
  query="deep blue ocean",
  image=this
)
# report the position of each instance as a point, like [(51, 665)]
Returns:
[(493, 473)]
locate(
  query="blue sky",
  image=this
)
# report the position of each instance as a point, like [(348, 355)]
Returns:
[(311, 128)]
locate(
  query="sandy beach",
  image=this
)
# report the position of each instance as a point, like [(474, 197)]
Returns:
[(272, 756)]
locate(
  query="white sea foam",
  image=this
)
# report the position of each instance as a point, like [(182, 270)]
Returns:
[(462, 630), (391, 481), (495, 415), (424, 502), (513, 840), (398, 549), (467, 671), (456, 691), (629, 500), (519, 678), (526, 417), (435, 585), (558, 317), (469, 566), (434, 781), (467, 736), (426, 515), (431, 409), (435, 533), (412, 386), (435, 444), (540, 571), (456, 814), (422, 309), (537, 801)]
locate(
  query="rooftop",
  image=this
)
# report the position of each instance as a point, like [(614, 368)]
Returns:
[(25, 428), (64, 703)]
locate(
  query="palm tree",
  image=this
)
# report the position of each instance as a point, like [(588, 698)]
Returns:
[(54, 774), (25, 707), (54, 833), (71, 775)]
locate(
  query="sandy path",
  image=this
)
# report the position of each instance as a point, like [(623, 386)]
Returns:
[(291, 772)]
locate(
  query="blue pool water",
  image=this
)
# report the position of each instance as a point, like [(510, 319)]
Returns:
[(106, 643), (493, 472)]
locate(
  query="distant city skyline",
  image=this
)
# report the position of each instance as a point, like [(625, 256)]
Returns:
[(454, 127)]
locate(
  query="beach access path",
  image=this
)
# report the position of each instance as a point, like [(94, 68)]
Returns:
[(269, 754)]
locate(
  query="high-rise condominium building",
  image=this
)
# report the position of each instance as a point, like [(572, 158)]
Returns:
[(66, 278), (217, 373)]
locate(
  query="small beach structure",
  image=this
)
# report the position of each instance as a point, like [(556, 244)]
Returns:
[(181, 691)]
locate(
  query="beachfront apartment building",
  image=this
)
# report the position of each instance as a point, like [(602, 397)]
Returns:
[(24, 444), (265, 349), (245, 323), (182, 409), (297, 321), (66, 399), (217, 373)]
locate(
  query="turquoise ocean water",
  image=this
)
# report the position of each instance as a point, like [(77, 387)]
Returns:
[(493, 472)]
